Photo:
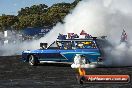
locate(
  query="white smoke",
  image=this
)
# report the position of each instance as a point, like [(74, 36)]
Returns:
[(97, 17), (16, 48), (105, 17)]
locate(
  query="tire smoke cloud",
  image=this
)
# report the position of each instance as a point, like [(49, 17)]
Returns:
[(98, 18)]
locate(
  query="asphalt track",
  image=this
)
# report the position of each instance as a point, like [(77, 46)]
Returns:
[(16, 74)]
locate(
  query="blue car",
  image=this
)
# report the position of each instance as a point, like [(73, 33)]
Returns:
[(64, 50)]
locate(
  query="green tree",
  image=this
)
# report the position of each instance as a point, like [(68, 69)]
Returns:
[(59, 11), (76, 2), (37, 16), (6, 21), (35, 9)]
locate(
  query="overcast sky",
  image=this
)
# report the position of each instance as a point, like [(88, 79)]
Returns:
[(13, 6)]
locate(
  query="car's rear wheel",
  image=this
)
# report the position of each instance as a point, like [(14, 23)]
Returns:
[(33, 60)]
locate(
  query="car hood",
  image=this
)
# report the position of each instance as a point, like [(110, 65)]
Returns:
[(31, 51)]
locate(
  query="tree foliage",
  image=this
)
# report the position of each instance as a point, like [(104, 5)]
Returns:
[(76, 2), (35, 9), (37, 16), (6, 21)]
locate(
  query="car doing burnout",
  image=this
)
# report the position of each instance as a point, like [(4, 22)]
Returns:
[(64, 50)]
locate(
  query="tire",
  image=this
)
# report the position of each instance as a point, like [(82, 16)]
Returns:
[(33, 60)]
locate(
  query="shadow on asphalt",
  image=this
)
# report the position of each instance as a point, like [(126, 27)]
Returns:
[(55, 64)]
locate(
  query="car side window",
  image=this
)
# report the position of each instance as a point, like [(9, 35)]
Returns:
[(65, 45), (85, 44)]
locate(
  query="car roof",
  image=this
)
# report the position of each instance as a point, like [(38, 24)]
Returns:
[(76, 40)]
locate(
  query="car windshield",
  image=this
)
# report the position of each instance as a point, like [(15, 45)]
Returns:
[(54, 45)]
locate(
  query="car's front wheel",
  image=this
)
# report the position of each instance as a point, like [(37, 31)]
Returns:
[(33, 60)]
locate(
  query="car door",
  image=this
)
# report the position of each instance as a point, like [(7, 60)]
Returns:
[(52, 53), (67, 51)]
